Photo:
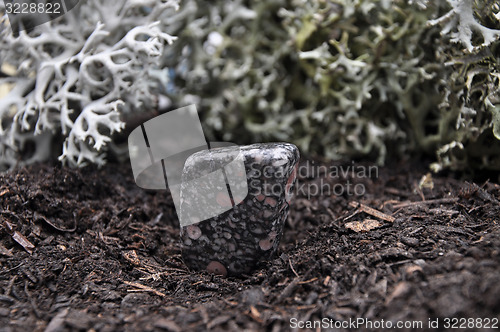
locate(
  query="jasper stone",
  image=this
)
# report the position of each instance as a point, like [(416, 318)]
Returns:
[(255, 201)]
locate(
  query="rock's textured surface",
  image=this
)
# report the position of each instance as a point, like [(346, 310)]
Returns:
[(234, 242)]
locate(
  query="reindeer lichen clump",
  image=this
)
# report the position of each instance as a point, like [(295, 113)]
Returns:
[(347, 78), (344, 78), (77, 76)]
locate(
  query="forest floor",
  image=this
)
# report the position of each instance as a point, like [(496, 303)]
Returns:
[(86, 249)]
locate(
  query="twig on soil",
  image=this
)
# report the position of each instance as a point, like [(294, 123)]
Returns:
[(347, 217), (13, 268), (16, 236), (157, 276), (39, 216), (291, 266), (431, 201), (288, 290), (255, 314), (305, 307), (371, 211), (307, 281), (142, 288), (154, 271), (8, 289)]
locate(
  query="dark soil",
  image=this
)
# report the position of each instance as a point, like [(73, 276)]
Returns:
[(87, 249)]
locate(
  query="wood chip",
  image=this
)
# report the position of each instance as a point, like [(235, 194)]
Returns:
[(255, 312), (372, 211), (6, 252), (363, 226), (16, 236), (255, 315), (23, 241), (143, 288)]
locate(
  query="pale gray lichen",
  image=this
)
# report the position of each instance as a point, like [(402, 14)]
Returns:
[(345, 78), (341, 78), (229, 59), (471, 87), (461, 23), (77, 76)]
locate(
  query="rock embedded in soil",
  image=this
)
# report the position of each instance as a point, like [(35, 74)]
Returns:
[(247, 233)]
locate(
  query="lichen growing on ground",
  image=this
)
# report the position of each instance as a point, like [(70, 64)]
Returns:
[(346, 78), (342, 78), (76, 77)]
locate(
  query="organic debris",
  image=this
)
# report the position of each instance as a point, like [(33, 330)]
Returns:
[(121, 268)]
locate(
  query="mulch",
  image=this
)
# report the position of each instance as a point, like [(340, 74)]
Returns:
[(86, 249)]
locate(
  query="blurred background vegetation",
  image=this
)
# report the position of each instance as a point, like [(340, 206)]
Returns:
[(347, 78), (366, 79)]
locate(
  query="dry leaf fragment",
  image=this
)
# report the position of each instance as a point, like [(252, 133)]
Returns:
[(363, 226), (16, 236), (23, 241)]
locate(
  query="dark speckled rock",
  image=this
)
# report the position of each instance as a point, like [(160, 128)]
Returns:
[(248, 232)]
